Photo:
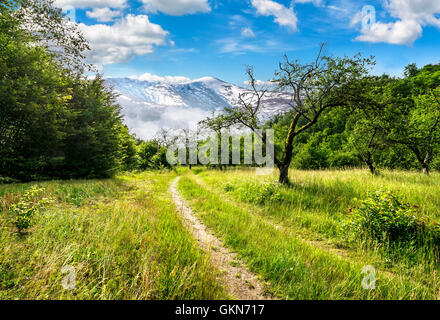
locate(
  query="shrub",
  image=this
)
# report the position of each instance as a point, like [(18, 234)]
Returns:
[(228, 187), (197, 170), (258, 193), (25, 211), (386, 218)]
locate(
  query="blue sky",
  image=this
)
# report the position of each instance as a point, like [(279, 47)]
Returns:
[(198, 38)]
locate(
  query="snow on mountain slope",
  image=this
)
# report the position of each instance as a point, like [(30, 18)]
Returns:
[(150, 106)]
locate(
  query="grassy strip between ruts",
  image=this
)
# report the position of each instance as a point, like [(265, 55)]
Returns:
[(296, 269), (122, 237)]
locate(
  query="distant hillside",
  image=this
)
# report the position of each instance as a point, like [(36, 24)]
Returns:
[(149, 106)]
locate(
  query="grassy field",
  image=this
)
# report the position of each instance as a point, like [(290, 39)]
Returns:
[(125, 240), (121, 236), (297, 240)]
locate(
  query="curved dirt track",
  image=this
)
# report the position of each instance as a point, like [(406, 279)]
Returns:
[(240, 282)]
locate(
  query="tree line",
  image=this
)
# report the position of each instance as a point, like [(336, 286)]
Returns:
[(55, 122)]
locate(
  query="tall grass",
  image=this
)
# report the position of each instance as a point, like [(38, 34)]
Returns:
[(122, 237), (312, 214)]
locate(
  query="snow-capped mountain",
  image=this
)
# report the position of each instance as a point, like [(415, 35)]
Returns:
[(148, 106)]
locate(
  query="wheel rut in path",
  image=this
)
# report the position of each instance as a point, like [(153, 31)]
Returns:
[(241, 283)]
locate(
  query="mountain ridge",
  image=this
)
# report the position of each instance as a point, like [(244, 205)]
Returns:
[(153, 102)]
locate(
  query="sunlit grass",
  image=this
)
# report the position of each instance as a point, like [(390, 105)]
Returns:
[(125, 240), (122, 236), (311, 213)]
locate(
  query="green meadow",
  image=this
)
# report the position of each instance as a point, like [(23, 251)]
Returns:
[(125, 239)]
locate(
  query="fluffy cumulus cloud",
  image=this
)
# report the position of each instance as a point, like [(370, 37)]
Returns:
[(411, 17), (177, 7), (400, 32), (128, 37), (423, 11), (283, 16), (103, 14), (81, 4)]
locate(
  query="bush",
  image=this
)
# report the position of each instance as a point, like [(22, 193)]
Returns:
[(386, 218), (26, 210), (197, 170), (257, 193), (228, 187)]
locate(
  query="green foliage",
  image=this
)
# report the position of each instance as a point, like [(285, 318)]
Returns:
[(385, 217), (153, 156), (197, 170), (128, 150), (25, 211), (92, 142), (33, 93), (396, 125), (54, 123), (258, 193)]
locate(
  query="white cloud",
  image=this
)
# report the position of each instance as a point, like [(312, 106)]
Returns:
[(401, 32), (411, 17), (260, 83), (146, 126), (423, 11), (166, 79), (81, 4), (247, 32), (315, 2), (103, 14), (128, 37), (283, 16), (235, 46), (177, 7), (357, 18), (240, 45)]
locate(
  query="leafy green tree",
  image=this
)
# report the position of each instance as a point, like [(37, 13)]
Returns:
[(91, 139), (52, 30), (424, 122), (324, 84), (153, 155), (411, 114), (33, 95), (128, 150)]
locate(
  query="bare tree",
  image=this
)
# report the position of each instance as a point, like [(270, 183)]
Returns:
[(216, 124), (165, 137)]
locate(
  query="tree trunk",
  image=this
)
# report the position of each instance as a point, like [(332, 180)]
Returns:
[(372, 169), (284, 174), (424, 162), (425, 168), (288, 148), (370, 164)]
